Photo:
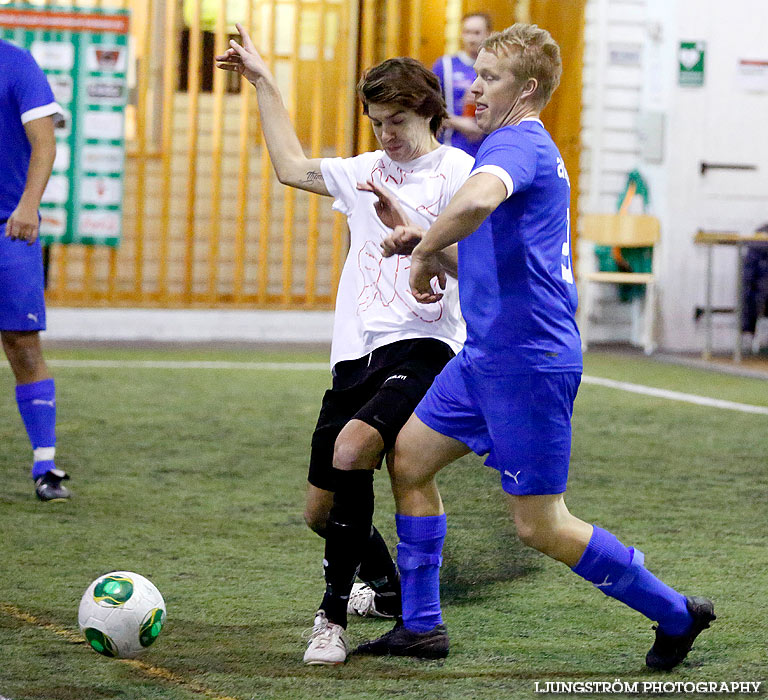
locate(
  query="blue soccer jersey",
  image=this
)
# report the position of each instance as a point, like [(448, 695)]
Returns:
[(24, 96), (515, 273), (456, 91)]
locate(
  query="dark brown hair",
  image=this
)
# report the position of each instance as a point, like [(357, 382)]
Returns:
[(407, 83)]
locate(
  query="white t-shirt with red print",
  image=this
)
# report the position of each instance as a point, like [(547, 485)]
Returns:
[(374, 305)]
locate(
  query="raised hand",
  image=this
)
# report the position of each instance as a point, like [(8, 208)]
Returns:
[(387, 207), (244, 59)]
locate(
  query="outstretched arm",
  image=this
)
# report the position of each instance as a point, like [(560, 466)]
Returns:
[(292, 166), (470, 206), (404, 239)]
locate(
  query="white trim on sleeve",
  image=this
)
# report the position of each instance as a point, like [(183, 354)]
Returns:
[(40, 112), (500, 173)]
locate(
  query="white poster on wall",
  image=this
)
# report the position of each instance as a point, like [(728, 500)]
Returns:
[(752, 75), (101, 190), (53, 55)]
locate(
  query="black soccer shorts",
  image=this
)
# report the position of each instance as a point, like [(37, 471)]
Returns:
[(380, 389)]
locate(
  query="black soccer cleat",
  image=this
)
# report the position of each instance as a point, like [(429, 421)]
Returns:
[(400, 641), (668, 650), (49, 487)]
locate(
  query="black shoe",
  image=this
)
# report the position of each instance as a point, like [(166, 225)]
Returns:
[(49, 487), (668, 650), (400, 641)]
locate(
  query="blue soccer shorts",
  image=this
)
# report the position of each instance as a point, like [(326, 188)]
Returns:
[(22, 299), (521, 421)]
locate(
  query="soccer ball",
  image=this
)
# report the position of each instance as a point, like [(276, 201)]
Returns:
[(121, 614)]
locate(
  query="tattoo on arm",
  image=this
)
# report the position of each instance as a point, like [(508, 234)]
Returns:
[(312, 176)]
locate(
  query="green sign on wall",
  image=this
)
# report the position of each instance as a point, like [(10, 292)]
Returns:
[(690, 58), (84, 54)]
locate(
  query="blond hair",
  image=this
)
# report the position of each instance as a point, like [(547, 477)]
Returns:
[(534, 54)]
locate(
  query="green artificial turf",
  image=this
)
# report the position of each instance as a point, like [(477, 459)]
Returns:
[(196, 479)]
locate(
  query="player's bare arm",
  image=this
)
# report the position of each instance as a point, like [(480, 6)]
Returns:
[(291, 164), (405, 235), (477, 198), (467, 126), (23, 222), (404, 239)]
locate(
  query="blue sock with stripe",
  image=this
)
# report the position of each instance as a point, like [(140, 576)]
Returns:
[(618, 572), (419, 559), (37, 406)]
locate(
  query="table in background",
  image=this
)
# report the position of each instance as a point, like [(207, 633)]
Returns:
[(729, 238)]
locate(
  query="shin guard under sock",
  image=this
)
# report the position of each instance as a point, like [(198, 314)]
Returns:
[(347, 534), (37, 406), (378, 570), (419, 559), (618, 572)]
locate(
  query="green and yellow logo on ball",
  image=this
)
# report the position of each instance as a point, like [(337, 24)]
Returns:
[(100, 642), (151, 627), (113, 590)]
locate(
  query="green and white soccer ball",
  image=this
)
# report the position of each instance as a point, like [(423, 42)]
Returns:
[(121, 614)]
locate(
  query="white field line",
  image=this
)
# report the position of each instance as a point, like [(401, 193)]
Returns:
[(317, 366), (191, 364), (676, 395)]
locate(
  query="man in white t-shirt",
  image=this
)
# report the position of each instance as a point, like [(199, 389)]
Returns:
[(386, 348)]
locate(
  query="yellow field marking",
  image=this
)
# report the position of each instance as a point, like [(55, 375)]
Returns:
[(157, 672), (13, 611)]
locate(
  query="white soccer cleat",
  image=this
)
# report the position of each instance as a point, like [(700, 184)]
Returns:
[(362, 602), (327, 644)]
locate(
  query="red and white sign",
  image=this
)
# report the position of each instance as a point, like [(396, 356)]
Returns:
[(57, 190), (63, 157), (101, 190), (101, 159), (53, 222), (103, 125), (753, 75), (64, 21), (53, 55), (99, 224), (107, 58)]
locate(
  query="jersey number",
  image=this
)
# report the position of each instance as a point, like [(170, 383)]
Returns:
[(565, 267)]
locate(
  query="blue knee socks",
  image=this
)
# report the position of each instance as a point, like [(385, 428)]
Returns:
[(618, 572), (37, 405), (419, 560)]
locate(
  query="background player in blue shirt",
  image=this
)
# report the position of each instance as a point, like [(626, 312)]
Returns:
[(509, 393), (456, 74), (28, 149)]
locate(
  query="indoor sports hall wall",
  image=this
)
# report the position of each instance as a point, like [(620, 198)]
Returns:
[(205, 222), (641, 111)]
